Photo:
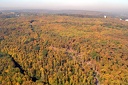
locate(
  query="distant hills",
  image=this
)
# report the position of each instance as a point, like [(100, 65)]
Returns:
[(79, 13)]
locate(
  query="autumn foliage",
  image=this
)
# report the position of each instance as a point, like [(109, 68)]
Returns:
[(63, 50)]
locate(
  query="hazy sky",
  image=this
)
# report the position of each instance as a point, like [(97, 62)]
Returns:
[(65, 4)]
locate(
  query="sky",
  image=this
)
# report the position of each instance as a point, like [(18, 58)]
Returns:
[(97, 5)]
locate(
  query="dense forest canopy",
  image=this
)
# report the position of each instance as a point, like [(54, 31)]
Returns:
[(57, 49)]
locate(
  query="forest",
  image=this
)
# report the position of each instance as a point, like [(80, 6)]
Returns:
[(53, 49)]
